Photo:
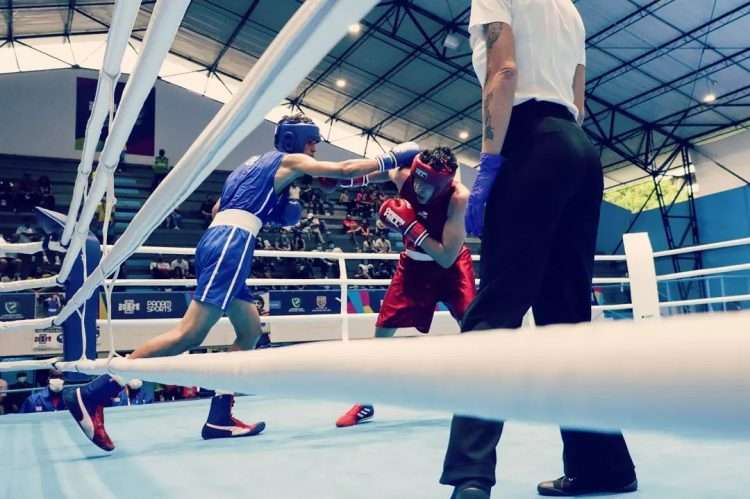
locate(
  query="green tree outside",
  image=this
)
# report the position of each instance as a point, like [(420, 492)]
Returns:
[(632, 197)]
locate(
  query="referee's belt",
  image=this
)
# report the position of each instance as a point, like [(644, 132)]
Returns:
[(418, 256), (238, 218)]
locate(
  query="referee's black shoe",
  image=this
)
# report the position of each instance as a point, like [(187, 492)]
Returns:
[(567, 486), (470, 492)]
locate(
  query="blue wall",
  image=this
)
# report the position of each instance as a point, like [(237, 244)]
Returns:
[(721, 217)]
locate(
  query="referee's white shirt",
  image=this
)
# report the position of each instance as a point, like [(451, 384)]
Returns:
[(550, 41)]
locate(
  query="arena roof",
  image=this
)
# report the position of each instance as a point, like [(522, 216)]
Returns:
[(660, 72)]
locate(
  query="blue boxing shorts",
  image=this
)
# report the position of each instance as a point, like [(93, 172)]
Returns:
[(223, 260)]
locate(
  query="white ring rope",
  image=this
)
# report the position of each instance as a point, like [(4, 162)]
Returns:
[(686, 375), (121, 25), (162, 27), (311, 32)]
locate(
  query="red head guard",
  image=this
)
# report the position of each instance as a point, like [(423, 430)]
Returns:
[(441, 179)]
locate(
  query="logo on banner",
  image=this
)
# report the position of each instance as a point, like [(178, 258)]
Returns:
[(321, 304), (48, 339), (129, 307), (158, 306), (296, 303), (11, 307)]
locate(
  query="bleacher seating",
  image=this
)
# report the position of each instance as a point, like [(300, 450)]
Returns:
[(133, 186)]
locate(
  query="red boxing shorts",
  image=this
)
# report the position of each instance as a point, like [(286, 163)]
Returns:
[(418, 286)]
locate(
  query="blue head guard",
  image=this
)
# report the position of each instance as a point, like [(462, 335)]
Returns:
[(292, 137)]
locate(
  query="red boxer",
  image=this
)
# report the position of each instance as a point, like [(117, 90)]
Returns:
[(436, 265)]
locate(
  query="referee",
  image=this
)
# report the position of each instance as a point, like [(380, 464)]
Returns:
[(536, 204)]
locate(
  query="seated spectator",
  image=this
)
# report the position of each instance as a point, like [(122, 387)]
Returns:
[(174, 220), (160, 269), (133, 394), (27, 184), (26, 232), (303, 269), (15, 399), (367, 245), (315, 227), (283, 243), (44, 185), (206, 210), (6, 196), (298, 242), (49, 398), (316, 202), (3, 393), (351, 227), (346, 200), (47, 201), (180, 267), (381, 245), (365, 269)]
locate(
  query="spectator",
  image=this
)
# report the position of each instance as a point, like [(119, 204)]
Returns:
[(160, 269), (303, 269), (207, 210), (315, 227), (26, 232), (365, 269), (294, 192), (174, 220), (52, 304), (3, 391), (316, 202), (101, 213), (298, 242), (346, 200), (14, 400), (381, 245), (180, 267), (45, 187), (133, 394), (48, 399), (47, 201), (27, 184), (160, 168), (351, 227)]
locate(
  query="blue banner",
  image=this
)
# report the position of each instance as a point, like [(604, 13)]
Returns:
[(16, 306), (155, 305), (307, 302)]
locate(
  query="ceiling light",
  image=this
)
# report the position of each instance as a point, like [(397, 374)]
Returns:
[(710, 96), (355, 29), (452, 41), (463, 135), (341, 83)]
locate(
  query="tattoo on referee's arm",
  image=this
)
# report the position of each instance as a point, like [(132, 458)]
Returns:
[(492, 32), (489, 131)]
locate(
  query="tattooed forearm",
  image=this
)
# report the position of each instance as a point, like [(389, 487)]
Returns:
[(489, 130), (492, 32)]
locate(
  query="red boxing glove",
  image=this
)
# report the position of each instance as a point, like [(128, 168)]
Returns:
[(328, 185), (399, 214)]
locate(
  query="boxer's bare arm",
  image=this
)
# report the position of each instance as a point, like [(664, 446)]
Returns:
[(454, 231)]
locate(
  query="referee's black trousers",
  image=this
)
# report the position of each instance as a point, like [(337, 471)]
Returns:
[(538, 248)]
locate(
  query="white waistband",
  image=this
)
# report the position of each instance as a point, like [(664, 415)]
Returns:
[(238, 218), (418, 256)]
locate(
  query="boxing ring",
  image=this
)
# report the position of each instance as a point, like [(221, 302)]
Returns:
[(671, 383)]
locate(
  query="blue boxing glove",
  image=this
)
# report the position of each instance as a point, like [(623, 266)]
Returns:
[(489, 165), (401, 155)]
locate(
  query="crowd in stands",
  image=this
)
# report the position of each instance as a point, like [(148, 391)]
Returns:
[(21, 196)]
